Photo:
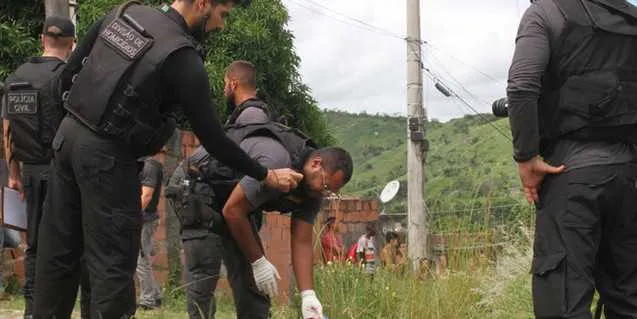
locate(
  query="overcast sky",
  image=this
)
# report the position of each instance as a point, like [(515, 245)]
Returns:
[(351, 68)]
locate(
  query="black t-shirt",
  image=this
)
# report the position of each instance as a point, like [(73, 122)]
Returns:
[(152, 176), (184, 83)]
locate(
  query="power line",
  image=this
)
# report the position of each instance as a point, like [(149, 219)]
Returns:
[(468, 105), (436, 80), (388, 32), (348, 20), (464, 63), (460, 85), (384, 32)]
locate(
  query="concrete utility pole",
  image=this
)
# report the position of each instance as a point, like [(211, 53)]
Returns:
[(416, 143), (58, 8), (73, 7)]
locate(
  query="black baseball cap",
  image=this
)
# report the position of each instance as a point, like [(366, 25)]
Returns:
[(65, 27)]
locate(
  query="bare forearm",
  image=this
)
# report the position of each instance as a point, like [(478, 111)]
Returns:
[(145, 201), (302, 263), (241, 230), (14, 170), (6, 141)]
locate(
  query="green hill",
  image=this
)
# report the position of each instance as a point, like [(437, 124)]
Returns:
[(469, 164)]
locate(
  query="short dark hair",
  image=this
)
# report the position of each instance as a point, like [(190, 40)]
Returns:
[(336, 159), (243, 71), (370, 227), (390, 235)]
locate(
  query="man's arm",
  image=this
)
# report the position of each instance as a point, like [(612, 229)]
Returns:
[(5, 140), (530, 61), (186, 74), (235, 213), (147, 196), (302, 253), (149, 180), (15, 175)]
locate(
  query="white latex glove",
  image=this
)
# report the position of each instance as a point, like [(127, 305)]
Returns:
[(310, 306), (265, 276)]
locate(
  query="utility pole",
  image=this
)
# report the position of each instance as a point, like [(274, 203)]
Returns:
[(416, 143), (73, 7), (58, 8)]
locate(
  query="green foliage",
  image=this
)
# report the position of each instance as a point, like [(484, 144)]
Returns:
[(20, 26)]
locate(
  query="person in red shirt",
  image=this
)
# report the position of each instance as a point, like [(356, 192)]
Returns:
[(332, 242)]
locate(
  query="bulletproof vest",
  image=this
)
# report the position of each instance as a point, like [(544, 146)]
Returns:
[(117, 93), (253, 102), (34, 109), (590, 88), (223, 179)]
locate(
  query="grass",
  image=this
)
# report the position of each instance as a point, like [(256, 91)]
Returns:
[(480, 283), (174, 308), (347, 292)]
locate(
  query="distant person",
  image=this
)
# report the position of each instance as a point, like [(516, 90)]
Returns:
[(389, 253), (32, 109), (331, 242), (151, 180), (366, 250), (402, 257)]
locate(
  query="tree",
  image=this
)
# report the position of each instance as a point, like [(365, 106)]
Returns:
[(20, 26)]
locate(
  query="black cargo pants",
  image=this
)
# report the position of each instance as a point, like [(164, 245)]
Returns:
[(586, 239), (249, 303), (35, 180), (91, 208), (202, 252)]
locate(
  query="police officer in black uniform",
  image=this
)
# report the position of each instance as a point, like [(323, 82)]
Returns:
[(202, 247), (32, 111), (230, 205), (573, 110), (240, 91), (133, 68)]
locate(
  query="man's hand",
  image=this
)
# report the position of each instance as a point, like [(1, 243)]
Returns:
[(310, 306), (532, 173), (16, 184), (265, 276), (283, 179)]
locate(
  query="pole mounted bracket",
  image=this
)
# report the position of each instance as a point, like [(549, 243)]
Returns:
[(416, 129)]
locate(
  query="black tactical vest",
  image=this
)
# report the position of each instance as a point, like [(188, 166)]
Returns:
[(590, 89), (34, 109), (253, 102), (223, 179), (117, 93)]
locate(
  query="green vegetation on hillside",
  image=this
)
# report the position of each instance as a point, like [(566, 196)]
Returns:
[(469, 167)]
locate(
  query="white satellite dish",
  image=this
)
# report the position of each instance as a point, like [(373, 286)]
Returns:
[(389, 192)]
